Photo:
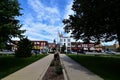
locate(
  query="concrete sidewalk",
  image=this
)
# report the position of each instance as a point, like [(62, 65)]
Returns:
[(75, 71), (34, 71)]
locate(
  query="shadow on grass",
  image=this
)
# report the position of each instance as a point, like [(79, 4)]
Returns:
[(106, 66), (10, 64)]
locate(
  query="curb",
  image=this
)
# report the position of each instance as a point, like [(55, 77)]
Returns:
[(64, 71), (65, 75), (43, 73)]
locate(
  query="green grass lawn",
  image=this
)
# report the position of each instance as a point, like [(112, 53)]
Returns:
[(10, 64), (106, 66)]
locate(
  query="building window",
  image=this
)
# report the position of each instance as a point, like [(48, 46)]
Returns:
[(68, 40), (60, 40), (83, 45), (44, 43), (37, 42), (68, 44), (92, 45), (79, 45), (64, 40), (73, 45), (41, 44), (86, 45)]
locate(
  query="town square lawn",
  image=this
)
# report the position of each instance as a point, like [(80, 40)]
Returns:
[(10, 64), (106, 66)]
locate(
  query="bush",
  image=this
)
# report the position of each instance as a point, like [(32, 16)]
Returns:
[(24, 48), (59, 69)]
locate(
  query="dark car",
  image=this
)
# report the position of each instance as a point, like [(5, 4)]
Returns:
[(71, 52), (81, 51)]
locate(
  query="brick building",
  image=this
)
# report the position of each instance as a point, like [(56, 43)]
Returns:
[(40, 46), (52, 46), (77, 46)]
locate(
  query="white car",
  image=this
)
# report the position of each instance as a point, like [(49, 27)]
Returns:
[(110, 52)]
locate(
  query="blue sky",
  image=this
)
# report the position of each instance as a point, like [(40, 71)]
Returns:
[(43, 18)]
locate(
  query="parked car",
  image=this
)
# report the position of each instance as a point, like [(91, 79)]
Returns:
[(71, 52), (81, 51), (110, 52)]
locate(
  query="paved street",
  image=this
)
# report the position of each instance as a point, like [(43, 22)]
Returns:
[(34, 71), (75, 71)]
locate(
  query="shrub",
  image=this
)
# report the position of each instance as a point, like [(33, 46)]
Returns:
[(59, 69), (24, 48)]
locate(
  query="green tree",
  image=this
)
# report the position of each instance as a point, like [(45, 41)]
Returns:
[(2, 46), (96, 20), (24, 48), (9, 23), (63, 48), (53, 49)]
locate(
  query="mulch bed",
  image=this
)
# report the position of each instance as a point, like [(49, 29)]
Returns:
[(51, 72), (52, 75)]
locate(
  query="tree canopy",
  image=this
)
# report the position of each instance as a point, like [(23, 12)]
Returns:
[(9, 23), (96, 20)]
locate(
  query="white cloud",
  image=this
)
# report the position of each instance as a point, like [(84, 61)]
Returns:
[(43, 12), (35, 29), (43, 22), (68, 10)]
